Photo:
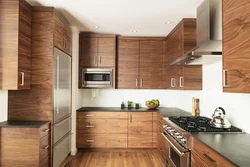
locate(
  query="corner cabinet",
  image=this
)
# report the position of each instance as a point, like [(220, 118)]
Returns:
[(236, 52), (140, 63), (15, 45), (179, 41)]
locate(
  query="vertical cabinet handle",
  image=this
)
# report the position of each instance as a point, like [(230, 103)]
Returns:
[(22, 79), (100, 59), (141, 83), (225, 78), (172, 82), (181, 82)]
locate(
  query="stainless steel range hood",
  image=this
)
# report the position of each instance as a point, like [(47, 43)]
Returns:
[(208, 36)]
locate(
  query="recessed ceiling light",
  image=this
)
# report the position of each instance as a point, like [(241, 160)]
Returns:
[(96, 27), (134, 31), (168, 22)]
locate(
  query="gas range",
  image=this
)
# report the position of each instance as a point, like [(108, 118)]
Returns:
[(179, 128)]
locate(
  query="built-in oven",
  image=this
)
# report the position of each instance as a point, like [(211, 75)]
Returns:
[(177, 155), (97, 78)]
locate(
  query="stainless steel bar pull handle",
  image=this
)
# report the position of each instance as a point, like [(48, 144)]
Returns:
[(90, 141), (22, 79), (172, 82), (90, 115), (45, 130), (141, 83), (90, 126), (181, 82), (225, 78), (45, 148)]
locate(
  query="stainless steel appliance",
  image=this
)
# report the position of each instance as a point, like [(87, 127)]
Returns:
[(208, 35), (62, 107), (178, 136), (97, 77), (219, 119)]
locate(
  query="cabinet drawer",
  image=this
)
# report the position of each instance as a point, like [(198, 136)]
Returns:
[(44, 147), (102, 141), (45, 162), (84, 115), (208, 156), (61, 129), (102, 126), (44, 130), (61, 151)]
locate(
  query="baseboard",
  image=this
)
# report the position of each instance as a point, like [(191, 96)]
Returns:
[(73, 152)]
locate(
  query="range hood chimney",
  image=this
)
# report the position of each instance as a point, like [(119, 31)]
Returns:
[(208, 36)]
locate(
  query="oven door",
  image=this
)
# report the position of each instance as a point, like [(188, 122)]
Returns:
[(96, 77), (177, 156)]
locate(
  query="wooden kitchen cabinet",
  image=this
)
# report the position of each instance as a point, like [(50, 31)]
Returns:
[(205, 157), (101, 130), (140, 63), (179, 41), (15, 45), (25, 145), (97, 50), (140, 130), (236, 59)]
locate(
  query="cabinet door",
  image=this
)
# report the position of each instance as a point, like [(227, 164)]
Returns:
[(197, 161), (106, 52), (128, 64), (151, 65), (59, 33), (140, 130), (68, 40), (88, 52), (192, 78), (174, 51), (24, 56), (236, 53)]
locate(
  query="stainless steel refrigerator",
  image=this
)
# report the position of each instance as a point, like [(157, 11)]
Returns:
[(61, 139)]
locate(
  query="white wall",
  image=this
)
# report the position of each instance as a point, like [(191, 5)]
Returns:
[(3, 105), (237, 106), (76, 93)]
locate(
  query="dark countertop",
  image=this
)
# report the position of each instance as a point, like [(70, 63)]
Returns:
[(22, 124), (164, 111), (235, 147)]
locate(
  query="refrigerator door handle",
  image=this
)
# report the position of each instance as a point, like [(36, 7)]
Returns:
[(57, 84)]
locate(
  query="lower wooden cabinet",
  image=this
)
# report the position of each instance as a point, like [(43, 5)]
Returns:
[(205, 157), (25, 145), (140, 130), (114, 130)]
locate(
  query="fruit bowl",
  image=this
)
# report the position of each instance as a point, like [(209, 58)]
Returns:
[(152, 104)]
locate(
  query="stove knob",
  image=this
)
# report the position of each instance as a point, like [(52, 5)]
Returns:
[(177, 134), (179, 137), (184, 141), (164, 126)]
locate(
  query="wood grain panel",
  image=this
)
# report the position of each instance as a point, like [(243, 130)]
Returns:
[(151, 64), (192, 77), (101, 141), (37, 103), (45, 162), (207, 155), (197, 161), (84, 116), (128, 64), (88, 52), (140, 130), (155, 116), (19, 147), (108, 126), (236, 20), (44, 147), (106, 52)]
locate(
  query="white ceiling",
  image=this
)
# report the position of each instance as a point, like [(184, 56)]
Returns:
[(121, 17)]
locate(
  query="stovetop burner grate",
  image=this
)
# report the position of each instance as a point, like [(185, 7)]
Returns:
[(199, 124)]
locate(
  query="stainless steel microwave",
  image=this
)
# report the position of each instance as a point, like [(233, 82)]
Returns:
[(97, 77)]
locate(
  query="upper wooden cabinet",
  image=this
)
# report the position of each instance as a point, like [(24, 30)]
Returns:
[(97, 50), (140, 63), (179, 41), (236, 52), (15, 45)]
